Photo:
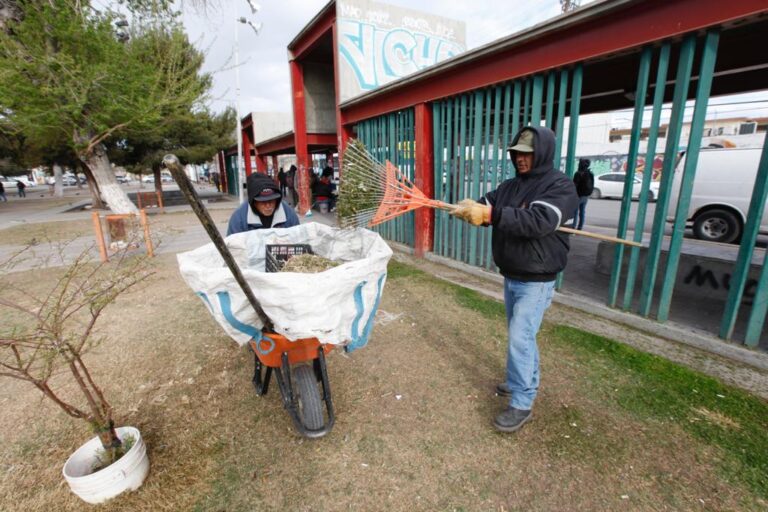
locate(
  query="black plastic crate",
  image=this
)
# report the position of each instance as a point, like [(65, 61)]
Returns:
[(278, 254)]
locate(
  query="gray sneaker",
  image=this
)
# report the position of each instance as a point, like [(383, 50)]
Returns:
[(503, 390), (511, 420)]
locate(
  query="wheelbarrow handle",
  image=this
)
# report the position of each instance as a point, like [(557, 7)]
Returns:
[(172, 163)]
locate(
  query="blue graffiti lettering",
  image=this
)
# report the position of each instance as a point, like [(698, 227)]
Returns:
[(378, 56)]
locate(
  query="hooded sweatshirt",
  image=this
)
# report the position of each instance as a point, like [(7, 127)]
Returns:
[(246, 218), (527, 210)]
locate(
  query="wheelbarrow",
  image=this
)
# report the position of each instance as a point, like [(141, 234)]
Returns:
[(300, 362), (298, 365)]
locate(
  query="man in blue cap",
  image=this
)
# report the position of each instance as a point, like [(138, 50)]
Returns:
[(264, 209), (524, 214)]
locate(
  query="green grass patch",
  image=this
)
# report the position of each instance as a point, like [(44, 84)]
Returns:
[(650, 387)]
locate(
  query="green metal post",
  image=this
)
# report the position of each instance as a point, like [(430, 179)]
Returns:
[(476, 152), (759, 308), (573, 129), (516, 125), (449, 169), (650, 157), (562, 97), (495, 174), (505, 164), (682, 81), (437, 172), (459, 239), (536, 99), (703, 88), (527, 103), (747, 246), (629, 182), (485, 163), (551, 79)]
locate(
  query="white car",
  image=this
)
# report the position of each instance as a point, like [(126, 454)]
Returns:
[(612, 185)]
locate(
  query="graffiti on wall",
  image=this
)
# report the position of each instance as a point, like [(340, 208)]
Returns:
[(379, 44), (713, 279), (603, 164)]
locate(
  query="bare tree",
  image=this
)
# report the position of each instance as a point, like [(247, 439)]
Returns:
[(51, 332)]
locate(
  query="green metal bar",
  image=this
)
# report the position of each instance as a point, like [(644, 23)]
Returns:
[(459, 241), (650, 157), (573, 129), (551, 79), (703, 89), (515, 119), (629, 182), (562, 96), (495, 140), (682, 81), (449, 167), (476, 152), (455, 173), (505, 163), (536, 99), (484, 166), (437, 171), (759, 308), (527, 103), (747, 246)]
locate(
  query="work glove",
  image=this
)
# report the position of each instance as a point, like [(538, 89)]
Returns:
[(475, 213)]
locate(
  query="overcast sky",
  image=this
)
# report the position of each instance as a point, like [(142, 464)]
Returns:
[(264, 78)]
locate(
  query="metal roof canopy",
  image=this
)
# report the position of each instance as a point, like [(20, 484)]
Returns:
[(606, 37)]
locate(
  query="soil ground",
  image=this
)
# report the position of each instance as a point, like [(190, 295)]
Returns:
[(414, 411)]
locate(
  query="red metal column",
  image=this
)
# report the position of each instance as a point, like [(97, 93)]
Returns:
[(300, 135), (247, 151), (424, 178), (261, 163)]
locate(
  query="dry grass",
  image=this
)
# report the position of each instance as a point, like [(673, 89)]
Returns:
[(413, 429)]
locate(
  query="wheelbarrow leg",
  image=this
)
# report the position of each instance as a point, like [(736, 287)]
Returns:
[(320, 364), (260, 384)]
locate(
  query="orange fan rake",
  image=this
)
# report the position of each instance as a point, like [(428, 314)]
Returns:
[(372, 192)]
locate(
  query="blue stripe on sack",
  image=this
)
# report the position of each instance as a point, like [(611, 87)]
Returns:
[(226, 310), (206, 300), (360, 340)]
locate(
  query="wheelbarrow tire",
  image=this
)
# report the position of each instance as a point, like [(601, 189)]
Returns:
[(310, 403)]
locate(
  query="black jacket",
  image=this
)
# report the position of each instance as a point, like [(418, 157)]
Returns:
[(527, 210)]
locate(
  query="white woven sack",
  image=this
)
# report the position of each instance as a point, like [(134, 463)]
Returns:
[(336, 306)]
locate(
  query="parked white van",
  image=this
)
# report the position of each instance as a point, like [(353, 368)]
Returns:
[(721, 194)]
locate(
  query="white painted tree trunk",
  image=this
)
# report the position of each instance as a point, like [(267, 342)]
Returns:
[(111, 192), (58, 187)]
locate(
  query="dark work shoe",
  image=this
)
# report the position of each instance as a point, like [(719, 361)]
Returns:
[(503, 390), (511, 420)]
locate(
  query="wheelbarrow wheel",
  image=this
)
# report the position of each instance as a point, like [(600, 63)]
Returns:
[(310, 403)]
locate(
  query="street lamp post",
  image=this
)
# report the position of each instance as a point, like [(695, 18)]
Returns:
[(256, 27)]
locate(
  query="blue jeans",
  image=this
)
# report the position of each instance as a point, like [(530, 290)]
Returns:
[(578, 215), (526, 303)]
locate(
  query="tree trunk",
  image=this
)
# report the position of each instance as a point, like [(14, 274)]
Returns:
[(96, 201), (158, 179), (115, 197), (58, 187)]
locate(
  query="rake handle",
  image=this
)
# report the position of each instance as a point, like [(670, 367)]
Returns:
[(451, 207)]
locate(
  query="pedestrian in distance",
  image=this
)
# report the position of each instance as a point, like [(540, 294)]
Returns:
[(2, 193), (281, 180), (264, 209), (585, 185), (20, 187), (524, 214)]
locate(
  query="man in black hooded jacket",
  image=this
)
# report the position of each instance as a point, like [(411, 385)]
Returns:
[(524, 213)]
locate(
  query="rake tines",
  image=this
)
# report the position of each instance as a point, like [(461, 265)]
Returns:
[(372, 192)]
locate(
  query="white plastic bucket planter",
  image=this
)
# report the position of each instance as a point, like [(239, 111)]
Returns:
[(126, 474)]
